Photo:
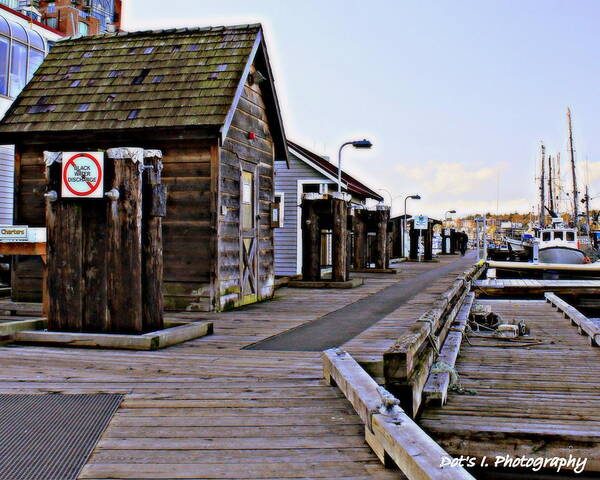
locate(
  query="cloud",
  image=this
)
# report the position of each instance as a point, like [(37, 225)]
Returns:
[(450, 178)]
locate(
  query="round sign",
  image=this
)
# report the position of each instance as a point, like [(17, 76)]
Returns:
[(82, 174)]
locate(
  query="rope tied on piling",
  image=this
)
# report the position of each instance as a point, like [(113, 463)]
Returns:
[(430, 335), (455, 385), (390, 405)]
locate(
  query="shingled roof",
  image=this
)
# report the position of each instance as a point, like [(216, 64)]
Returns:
[(168, 78), (354, 185)]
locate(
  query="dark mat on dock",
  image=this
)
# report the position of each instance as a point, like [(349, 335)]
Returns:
[(340, 326), (51, 436)]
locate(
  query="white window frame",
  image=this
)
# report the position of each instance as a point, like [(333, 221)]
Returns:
[(322, 182), (281, 195)]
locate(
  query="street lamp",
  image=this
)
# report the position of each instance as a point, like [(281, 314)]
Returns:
[(447, 212), (390, 194), (413, 197), (356, 144)]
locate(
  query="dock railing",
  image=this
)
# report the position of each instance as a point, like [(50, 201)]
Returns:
[(583, 323), (406, 365), (391, 433)]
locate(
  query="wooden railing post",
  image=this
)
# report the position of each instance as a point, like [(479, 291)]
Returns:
[(339, 209)]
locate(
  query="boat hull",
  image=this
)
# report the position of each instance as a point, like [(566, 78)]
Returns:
[(564, 255), (515, 245)]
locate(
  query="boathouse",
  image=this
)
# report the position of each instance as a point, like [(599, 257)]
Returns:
[(307, 173), (206, 99)]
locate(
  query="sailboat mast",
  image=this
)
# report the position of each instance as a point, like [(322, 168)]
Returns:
[(587, 210), (573, 173), (542, 187), (550, 189), (558, 184)]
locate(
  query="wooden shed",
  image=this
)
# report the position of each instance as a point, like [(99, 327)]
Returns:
[(206, 99)]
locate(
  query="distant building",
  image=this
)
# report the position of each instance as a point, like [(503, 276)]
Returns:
[(72, 17), (307, 173), (24, 42)]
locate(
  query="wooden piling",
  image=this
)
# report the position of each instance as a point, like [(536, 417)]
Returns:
[(154, 206), (339, 209), (311, 242), (124, 224), (382, 255)]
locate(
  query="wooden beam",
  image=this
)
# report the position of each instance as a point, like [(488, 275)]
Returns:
[(389, 431), (339, 240), (584, 324), (436, 387)]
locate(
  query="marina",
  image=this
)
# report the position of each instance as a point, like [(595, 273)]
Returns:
[(290, 249)]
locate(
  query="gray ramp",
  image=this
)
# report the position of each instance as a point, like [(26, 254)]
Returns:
[(340, 326), (50, 437)]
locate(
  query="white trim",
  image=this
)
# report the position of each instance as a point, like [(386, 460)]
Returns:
[(312, 164), (322, 189), (281, 208)]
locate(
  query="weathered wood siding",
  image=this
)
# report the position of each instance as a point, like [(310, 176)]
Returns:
[(239, 152), (187, 228), (7, 168), (286, 237), (28, 210)]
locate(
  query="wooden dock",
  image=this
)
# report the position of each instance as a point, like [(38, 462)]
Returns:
[(508, 287), (208, 408), (526, 399)]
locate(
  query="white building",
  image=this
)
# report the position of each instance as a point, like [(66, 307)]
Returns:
[(24, 42)]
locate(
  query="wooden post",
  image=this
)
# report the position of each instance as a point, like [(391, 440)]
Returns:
[(360, 240), (383, 258), (339, 209), (124, 253), (64, 269), (311, 242), (428, 242), (155, 200), (413, 252)]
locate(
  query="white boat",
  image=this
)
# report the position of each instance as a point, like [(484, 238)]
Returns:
[(514, 244), (559, 245)]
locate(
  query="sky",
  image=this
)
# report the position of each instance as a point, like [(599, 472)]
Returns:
[(456, 96)]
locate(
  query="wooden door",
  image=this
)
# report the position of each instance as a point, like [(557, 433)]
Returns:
[(249, 235)]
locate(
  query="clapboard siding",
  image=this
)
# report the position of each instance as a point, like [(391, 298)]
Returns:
[(241, 153), (286, 240), (7, 162)]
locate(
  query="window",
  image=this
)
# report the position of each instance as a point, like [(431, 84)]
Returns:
[(141, 77), (546, 236), (21, 53), (52, 22), (278, 210), (570, 236), (83, 28), (558, 235), (311, 188), (4, 48), (18, 68)]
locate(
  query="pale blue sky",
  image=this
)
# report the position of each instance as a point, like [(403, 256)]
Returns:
[(456, 95)]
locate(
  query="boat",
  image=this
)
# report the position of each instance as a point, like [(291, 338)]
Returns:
[(514, 245), (558, 245)]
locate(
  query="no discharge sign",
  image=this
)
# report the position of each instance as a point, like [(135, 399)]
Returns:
[(83, 175)]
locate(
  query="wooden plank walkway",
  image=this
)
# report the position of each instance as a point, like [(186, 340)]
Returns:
[(208, 408), (538, 400), (507, 287), (368, 347)]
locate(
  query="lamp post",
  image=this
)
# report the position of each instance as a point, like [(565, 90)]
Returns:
[(390, 194), (356, 144), (404, 220)]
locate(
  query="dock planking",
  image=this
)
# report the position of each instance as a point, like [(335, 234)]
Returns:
[(508, 287), (210, 409), (539, 400)]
